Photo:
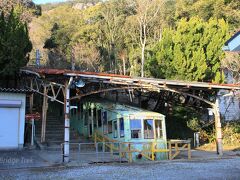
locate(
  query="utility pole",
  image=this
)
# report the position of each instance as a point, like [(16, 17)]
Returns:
[(67, 121)]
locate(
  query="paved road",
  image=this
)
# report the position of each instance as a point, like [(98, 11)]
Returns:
[(201, 169)]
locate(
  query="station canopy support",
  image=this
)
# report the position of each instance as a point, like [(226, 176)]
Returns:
[(54, 84)]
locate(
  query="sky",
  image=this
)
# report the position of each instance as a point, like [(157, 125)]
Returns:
[(47, 1)]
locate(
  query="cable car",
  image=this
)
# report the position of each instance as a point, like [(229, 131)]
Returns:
[(129, 125)]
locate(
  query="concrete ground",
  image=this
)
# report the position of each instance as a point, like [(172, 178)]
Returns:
[(194, 169), (36, 164)]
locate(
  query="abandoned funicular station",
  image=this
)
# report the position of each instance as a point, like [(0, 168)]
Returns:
[(127, 132)]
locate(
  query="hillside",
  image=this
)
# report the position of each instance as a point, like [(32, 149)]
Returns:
[(113, 36)]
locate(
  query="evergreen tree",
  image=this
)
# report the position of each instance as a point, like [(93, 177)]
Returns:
[(14, 45), (192, 52)]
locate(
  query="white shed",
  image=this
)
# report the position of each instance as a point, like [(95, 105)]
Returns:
[(12, 118)]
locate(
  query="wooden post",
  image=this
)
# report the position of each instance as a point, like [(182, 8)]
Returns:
[(218, 127), (176, 148), (152, 150), (111, 148), (129, 153), (103, 146), (170, 150), (189, 150), (95, 139), (44, 115)]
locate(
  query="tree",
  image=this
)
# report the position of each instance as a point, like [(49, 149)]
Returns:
[(229, 10), (146, 12), (159, 62), (114, 15), (88, 57), (232, 63), (14, 45), (191, 52), (130, 31)]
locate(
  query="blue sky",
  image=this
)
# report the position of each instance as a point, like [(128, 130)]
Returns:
[(47, 1)]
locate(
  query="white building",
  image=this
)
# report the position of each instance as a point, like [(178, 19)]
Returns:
[(12, 118), (230, 104)]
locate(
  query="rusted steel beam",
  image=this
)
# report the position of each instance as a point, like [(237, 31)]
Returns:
[(106, 90)]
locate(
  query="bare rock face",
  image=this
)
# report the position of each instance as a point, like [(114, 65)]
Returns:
[(27, 3), (7, 5), (82, 6), (10, 3)]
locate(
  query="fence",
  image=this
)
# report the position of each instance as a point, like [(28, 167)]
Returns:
[(102, 152)]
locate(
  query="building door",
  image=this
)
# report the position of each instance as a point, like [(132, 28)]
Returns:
[(9, 121)]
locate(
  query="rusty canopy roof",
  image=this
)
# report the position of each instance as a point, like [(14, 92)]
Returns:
[(123, 80)]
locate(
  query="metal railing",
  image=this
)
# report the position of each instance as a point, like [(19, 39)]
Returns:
[(103, 152), (104, 149), (99, 152)]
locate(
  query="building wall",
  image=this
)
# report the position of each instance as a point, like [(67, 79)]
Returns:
[(229, 106), (22, 98)]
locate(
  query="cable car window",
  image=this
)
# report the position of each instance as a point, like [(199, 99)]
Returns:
[(148, 129), (158, 129), (109, 127), (115, 132), (136, 127), (99, 118), (121, 124), (105, 123)]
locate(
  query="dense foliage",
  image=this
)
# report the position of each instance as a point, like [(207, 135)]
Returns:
[(167, 39), (191, 52), (14, 44)]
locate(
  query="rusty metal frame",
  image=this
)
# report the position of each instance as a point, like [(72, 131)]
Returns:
[(124, 82), (55, 89)]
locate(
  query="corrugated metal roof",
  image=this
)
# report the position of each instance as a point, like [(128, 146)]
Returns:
[(48, 71), (125, 80)]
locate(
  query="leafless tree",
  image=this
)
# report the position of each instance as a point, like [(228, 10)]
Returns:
[(87, 57), (123, 56), (146, 12), (232, 64)]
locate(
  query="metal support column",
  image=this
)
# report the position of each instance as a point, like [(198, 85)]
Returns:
[(92, 119), (218, 128), (44, 115), (31, 99), (67, 121), (31, 111)]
